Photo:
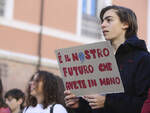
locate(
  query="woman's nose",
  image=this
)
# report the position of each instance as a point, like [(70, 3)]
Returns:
[(31, 83)]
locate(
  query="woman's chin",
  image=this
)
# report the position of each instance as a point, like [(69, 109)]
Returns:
[(33, 93)]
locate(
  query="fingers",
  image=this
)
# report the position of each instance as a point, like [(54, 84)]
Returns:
[(92, 96), (95, 104), (69, 95), (91, 100), (95, 101), (71, 100), (67, 92), (96, 107)]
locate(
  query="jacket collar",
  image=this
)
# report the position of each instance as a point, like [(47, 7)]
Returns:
[(132, 43), (135, 42)]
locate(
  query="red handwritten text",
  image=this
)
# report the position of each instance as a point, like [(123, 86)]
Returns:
[(109, 81), (76, 70), (76, 84)]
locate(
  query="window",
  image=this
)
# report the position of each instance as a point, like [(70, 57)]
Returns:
[(6, 8), (90, 23), (2, 7), (89, 7)]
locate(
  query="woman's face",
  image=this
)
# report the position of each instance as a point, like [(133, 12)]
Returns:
[(36, 86), (111, 26)]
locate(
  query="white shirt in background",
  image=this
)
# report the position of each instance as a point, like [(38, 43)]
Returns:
[(58, 108)]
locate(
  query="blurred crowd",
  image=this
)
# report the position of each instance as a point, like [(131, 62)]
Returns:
[(44, 94)]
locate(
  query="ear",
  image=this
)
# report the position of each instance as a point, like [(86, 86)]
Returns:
[(125, 25), (20, 101)]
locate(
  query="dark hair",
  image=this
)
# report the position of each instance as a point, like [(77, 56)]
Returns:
[(17, 94), (50, 89), (61, 89), (126, 15), (60, 94), (2, 103)]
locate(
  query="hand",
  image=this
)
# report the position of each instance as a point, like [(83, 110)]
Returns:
[(71, 100), (95, 101)]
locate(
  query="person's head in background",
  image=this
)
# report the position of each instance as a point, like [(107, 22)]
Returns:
[(2, 102), (43, 89), (118, 23), (3, 106), (15, 99)]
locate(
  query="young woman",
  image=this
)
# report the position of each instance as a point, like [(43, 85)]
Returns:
[(43, 94), (3, 106), (119, 25)]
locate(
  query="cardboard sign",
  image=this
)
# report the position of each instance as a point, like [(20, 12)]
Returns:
[(89, 69)]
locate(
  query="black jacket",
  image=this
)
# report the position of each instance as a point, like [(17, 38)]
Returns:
[(133, 62)]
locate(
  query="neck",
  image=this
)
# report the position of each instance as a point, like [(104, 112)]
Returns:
[(17, 110), (117, 42), (39, 99)]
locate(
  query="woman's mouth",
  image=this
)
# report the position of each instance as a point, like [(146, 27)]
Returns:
[(32, 87)]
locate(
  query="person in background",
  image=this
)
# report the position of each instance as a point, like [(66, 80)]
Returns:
[(60, 93), (43, 94), (3, 106), (146, 105), (119, 26), (15, 99)]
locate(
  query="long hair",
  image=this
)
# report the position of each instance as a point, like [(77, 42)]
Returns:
[(126, 15), (2, 103), (50, 89), (60, 92)]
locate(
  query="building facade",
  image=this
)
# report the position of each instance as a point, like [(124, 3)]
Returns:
[(31, 30)]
